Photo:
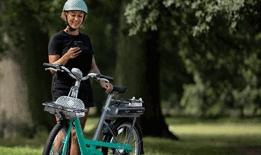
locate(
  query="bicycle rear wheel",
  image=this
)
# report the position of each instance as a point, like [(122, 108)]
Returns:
[(55, 142), (124, 134)]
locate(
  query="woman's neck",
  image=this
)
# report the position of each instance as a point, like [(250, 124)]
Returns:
[(75, 32)]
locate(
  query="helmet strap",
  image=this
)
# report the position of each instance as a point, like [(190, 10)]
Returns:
[(69, 28)]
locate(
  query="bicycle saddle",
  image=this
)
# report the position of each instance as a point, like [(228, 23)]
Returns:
[(119, 89)]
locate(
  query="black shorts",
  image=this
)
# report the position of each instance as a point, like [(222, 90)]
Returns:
[(85, 93)]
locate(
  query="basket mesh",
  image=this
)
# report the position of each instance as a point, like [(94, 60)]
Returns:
[(70, 102)]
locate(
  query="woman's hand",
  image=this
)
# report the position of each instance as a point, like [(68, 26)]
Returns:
[(107, 86), (73, 52)]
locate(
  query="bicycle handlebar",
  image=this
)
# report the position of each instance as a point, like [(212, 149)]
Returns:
[(61, 68)]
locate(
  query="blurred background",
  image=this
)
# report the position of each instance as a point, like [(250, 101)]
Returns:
[(192, 62)]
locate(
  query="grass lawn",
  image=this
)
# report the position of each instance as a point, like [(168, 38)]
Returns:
[(19, 151), (197, 137), (208, 137)]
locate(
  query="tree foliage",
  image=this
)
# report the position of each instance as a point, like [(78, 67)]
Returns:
[(217, 41), (144, 15)]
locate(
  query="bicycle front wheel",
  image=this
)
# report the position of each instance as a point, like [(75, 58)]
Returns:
[(56, 141), (124, 133)]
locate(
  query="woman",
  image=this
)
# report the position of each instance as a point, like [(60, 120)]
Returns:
[(71, 48)]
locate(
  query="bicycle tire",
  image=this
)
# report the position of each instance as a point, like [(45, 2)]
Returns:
[(121, 131), (48, 149)]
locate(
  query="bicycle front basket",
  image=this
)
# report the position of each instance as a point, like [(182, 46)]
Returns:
[(72, 107), (70, 102)]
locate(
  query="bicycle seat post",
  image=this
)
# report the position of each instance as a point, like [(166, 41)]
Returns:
[(103, 115)]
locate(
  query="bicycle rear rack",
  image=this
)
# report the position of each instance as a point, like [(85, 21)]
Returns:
[(125, 108)]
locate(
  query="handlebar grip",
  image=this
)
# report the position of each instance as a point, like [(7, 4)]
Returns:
[(106, 77), (56, 66)]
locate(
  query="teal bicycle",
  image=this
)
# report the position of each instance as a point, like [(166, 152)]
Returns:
[(117, 132)]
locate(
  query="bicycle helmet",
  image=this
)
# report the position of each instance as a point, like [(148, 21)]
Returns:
[(73, 5), (77, 5)]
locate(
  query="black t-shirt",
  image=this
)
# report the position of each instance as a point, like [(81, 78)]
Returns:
[(59, 45)]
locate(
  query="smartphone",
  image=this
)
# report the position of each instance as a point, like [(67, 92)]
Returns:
[(77, 44)]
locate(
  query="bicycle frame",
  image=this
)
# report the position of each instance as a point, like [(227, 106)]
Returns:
[(88, 146)]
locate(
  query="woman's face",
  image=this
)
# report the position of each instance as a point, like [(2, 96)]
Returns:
[(75, 18)]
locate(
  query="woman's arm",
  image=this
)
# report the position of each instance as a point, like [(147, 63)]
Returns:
[(106, 85), (94, 67), (70, 54)]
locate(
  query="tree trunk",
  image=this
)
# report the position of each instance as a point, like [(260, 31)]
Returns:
[(138, 68), (28, 49), (31, 60), (14, 113), (153, 122)]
